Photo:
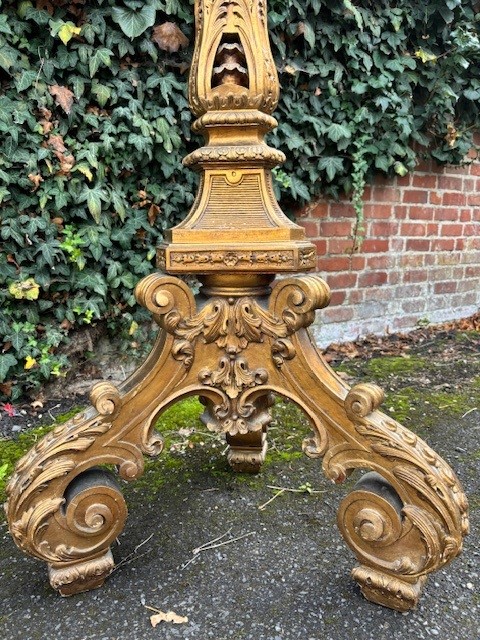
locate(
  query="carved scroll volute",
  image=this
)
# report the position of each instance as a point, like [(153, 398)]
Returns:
[(232, 66)]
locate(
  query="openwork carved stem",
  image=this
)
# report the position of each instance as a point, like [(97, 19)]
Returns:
[(235, 345)]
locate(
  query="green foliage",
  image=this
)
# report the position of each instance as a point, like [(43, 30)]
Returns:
[(94, 123)]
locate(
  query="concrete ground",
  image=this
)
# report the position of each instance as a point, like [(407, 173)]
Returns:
[(287, 576)]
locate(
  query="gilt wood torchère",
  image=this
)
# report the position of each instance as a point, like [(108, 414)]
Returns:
[(236, 345)]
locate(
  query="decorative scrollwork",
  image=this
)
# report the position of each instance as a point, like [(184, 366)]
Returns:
[(233, 376), (296, 299), (106, 399)]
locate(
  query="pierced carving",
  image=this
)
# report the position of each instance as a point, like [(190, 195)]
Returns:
[(253, 83)]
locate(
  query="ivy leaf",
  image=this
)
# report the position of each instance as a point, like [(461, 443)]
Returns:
[(338, 131), (332, 165), (134, 23), (6, 362), (101, 92), (425, 56), (97, 58), (25, 80), (8, 57), (26, 290)]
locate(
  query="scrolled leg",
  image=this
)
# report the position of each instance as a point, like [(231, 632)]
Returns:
[(94, 512), (406, 520)]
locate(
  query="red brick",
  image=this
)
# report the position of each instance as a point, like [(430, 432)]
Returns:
[(329, 229), (393, 277), (375, 211), (418, 245), (415, 260), (386, 194), (400, 212), (428, 181), (311, 228), (320, 210), (337, 297), (413, 306), (379, 262), (344, 314), (342, 210), (412, 229), (452, 229), (460, 244), (471, 229), (356, 296), (447, 213), (445, 287), (397, 244), (367, 194), (433, 229), (424, 165), (459, 199), (373, 278), (473, 200), (403, 181), (342, 280), (374, 246), (415, 195), (435, 198), (383, 229), (475, 169), (421, 213), (473, 271), (443, 244), (357, 263), (450, 183), (334, 263), (321, 246), (419, 275), (340, 245), (465, 215), (468, 184)]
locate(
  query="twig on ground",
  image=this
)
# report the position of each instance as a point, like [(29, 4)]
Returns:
[(265, 504), (133, 555), (214, 544), (469, 411), (303, 489), (50, 411)]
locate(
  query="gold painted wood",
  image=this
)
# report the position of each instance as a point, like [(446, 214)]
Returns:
[(240, 342)]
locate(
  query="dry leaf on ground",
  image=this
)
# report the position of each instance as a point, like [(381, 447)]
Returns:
[(169, 616)]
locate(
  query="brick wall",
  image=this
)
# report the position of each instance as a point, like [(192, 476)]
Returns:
[(420, 259)]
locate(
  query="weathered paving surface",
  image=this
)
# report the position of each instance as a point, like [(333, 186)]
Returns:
[(287, 580)]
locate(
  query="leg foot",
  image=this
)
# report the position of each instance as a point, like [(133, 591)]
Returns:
[(247, 452), (387, 590), (83, 576)]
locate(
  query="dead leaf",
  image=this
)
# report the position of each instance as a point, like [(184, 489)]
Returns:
[(63, 96), (45, 5), (169, 616), (37, 404), (6, 388), (56, 142), (152, 214), (36, 179), (66, 163), (169, 37)]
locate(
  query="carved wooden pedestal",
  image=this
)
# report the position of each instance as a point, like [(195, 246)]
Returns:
[(243, 340)]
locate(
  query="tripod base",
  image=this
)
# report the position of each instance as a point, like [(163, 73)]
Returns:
[(236, 347)]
